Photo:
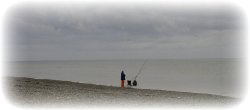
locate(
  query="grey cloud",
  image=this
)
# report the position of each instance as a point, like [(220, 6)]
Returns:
[(84, 31)]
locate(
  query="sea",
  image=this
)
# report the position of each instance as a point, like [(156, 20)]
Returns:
[(213, 76)]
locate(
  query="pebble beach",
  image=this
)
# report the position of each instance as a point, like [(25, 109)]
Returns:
[(26, 92)]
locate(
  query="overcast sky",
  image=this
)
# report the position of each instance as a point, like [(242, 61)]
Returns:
[(89, 31)]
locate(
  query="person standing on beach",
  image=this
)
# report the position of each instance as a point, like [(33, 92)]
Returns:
[(122, 79)]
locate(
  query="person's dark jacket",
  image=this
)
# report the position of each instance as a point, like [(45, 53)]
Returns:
[(123, 75)]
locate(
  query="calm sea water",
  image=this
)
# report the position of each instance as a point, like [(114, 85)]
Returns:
[(214, 76)]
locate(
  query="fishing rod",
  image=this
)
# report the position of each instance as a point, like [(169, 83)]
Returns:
[(139, 72)]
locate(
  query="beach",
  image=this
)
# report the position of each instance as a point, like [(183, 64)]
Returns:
[(75, 54), (26, 92), (212, 76)]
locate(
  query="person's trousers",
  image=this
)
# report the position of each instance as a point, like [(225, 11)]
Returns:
[(122, 83)]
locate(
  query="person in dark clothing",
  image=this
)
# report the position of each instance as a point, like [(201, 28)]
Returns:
[(122, 79)]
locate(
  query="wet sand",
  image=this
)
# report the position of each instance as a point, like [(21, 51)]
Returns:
[(28, 92)]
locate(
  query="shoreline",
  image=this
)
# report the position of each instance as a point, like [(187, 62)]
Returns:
[(45, 92)]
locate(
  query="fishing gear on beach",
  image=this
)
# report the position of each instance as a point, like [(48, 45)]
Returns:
[(134, 83)]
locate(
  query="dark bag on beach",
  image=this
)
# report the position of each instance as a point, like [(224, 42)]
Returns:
[(134, 83)]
